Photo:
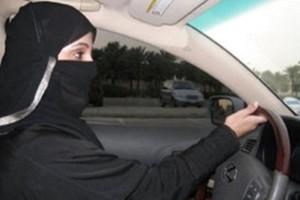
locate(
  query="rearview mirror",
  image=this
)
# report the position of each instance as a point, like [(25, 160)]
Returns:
[(223, 106)]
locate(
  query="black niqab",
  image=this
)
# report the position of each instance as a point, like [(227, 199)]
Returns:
[(39, 31)]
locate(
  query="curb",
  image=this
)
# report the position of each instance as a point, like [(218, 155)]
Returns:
[(144, 112)]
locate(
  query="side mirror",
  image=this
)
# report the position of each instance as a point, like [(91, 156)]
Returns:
[(222, 106)]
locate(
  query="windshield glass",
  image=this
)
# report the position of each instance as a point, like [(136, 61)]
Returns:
[(183, 86), (263, 34), (292, 102)]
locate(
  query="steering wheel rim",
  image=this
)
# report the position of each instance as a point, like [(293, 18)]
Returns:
[(282, 140), (274, 188)]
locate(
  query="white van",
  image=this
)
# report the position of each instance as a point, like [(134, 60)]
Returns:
[(180, 93)]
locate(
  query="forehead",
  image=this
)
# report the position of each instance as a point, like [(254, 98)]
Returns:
[(86, 40)]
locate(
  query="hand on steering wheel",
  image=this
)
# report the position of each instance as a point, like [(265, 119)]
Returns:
[(243, 177)]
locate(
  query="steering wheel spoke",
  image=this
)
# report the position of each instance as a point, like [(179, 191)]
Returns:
[(243, 177)]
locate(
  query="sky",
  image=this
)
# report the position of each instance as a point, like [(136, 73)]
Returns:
[(264, 34), (223, 11)]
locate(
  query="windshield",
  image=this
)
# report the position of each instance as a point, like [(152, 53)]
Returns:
[(183, 86), (263, 34), (292, 102)]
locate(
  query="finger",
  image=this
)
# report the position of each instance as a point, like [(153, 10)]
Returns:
[(262, 115), (251, 108), (256, 119), (256, 105)]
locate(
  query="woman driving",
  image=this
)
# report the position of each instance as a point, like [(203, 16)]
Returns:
[(47, 152)]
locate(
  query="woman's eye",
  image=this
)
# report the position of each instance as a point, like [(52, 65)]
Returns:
[(78, 55)]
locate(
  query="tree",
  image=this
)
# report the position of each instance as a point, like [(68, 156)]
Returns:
[(281, 82), (96, 88), (269, 79), (109, 67), (120, 65), (293, 73), (134, 62), (110, 61), (160, 67)]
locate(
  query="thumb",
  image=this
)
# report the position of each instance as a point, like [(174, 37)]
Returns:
[(251, 108)]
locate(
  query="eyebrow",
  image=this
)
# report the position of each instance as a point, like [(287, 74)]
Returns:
[(81, 44)]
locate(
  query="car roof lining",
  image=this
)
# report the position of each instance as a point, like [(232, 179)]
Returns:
[(154, 12), (100, 12)]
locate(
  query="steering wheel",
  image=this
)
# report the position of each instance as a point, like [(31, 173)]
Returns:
[(243, 177)]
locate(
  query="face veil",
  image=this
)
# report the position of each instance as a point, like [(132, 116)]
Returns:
[(34, 85)]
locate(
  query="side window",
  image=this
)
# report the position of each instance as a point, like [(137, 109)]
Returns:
[(167, 85), (130, 71), (146, 93)]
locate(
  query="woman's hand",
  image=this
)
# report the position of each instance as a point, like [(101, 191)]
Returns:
[(244, 121)]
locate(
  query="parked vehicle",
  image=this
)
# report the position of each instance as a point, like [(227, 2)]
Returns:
[(293, 103), (180, 93)]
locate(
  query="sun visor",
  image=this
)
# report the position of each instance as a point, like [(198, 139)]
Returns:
[(164, 12)]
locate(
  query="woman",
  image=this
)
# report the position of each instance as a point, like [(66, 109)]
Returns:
[(47, 152)]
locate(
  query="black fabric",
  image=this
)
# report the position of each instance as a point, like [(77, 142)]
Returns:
[(64, 100), (46, 163), (38, 31), (69, 87)]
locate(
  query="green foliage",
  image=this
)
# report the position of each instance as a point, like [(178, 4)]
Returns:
[(115, 91), (293, 73), (134, 71), (285, 83)]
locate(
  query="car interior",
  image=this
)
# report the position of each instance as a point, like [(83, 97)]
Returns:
[(166, 28)]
